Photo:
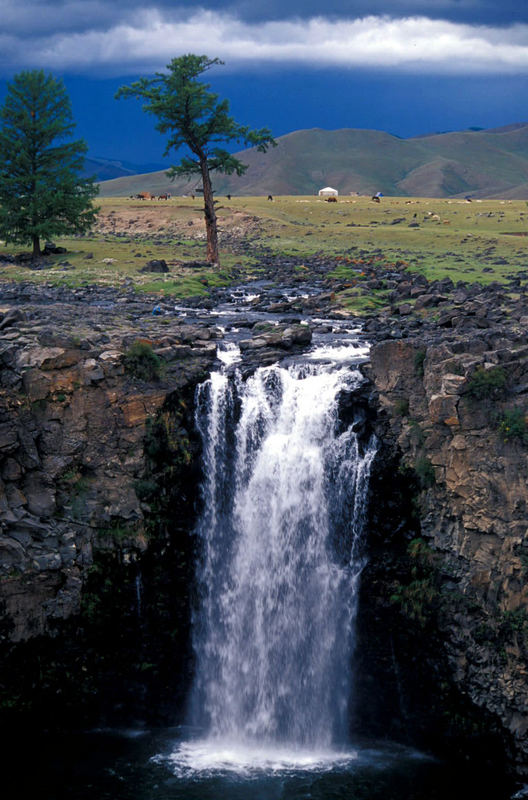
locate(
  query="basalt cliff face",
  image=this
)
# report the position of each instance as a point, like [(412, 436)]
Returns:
[(72, 432), (453, 412), (97, 496)]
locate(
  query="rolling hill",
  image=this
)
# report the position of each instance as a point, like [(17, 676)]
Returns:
[(483, 163), (105, 169)]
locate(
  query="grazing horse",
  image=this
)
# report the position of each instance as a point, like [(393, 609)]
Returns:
[(270, 197), (331, 199)]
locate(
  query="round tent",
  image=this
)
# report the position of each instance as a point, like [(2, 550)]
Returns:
[(328, 192)]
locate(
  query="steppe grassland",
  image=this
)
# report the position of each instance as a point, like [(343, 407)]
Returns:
[(481, 241)]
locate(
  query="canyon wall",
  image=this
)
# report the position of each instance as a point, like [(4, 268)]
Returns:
[(453, 412)]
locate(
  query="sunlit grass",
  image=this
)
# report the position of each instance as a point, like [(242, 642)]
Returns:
[(482, 241)]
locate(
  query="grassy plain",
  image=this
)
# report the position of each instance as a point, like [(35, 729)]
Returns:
[(483, 240)]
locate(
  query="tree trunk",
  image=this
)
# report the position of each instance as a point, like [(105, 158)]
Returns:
[(210, 216), (36, 246)]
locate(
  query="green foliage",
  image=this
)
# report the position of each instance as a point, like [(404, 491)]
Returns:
[(421, 552), (512, 425), (146, 489), (514, 622), (419, 358), (39, 405), (487, 383), (142, 362), (194, 118), (425, 472), (166, 440), (117, 533), (524, 563), (418, 598), (415, 599), (455, 368), (416, 433), (41, 193), (401, 406)]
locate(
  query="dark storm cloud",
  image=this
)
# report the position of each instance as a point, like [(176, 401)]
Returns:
[(127, 37), (480, 12), (33, 17)]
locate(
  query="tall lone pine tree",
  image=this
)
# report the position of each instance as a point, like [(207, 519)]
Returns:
[(41, 192), (195, 118)]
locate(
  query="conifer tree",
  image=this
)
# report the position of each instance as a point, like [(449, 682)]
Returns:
[(194, 118), (41, 192)]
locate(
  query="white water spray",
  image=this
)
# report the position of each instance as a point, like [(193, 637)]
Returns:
[(284, 504)]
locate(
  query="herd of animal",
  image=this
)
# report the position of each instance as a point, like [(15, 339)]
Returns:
[(149, 196), (167, 196)]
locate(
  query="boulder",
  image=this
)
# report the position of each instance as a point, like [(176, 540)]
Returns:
[(155, 265)]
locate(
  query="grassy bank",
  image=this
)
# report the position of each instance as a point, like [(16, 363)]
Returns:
[(480, 241)]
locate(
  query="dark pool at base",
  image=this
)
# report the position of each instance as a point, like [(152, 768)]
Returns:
[(130, 765)]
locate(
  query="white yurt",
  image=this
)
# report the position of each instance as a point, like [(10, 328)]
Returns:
[(328, 192)]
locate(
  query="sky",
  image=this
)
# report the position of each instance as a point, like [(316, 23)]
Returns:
[(405, 66)]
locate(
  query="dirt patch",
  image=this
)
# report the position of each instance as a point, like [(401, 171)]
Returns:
[(170, 219)]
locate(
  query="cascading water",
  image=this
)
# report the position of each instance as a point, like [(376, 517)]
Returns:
[(284, 503)]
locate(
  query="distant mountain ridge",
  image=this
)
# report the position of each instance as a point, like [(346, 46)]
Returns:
[(481, 163), (105, 169)]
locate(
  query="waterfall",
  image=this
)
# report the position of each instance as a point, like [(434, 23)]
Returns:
[(284, 498)]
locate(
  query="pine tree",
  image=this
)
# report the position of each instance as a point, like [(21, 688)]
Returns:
[(41, 192), (195, 118)]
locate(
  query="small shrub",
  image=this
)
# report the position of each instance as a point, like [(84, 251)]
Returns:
[(416, 599), (416, 433), (512, 425), (420, 551), (456, 368), (419, 358), (401, 407), (425, 472), (142, 362), (514, 622), (487, 383), (146, 489), (524, 563), (71, 475), (118, 533)]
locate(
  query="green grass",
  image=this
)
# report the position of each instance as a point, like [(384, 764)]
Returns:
[(470, 247)]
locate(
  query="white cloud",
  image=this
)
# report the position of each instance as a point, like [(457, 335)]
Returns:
[(413, 44)]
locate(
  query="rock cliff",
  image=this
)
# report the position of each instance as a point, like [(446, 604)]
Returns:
[(454, 410), (73, 420)]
